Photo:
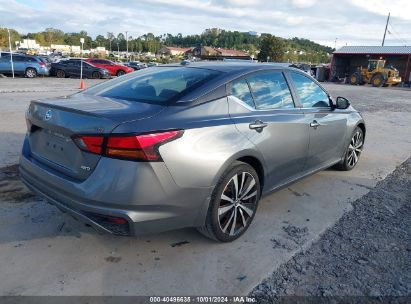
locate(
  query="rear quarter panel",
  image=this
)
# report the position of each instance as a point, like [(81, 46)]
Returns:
[(210, 142)]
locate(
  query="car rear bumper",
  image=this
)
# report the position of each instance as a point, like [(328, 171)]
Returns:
[(143, 194), (43, 71), (77, 214)]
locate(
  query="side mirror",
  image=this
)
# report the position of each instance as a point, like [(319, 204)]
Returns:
[(342, 103)]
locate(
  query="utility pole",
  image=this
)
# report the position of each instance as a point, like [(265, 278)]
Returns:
[(81, 61), (335, 44), (385, 32), (127, 44), (11, 53)]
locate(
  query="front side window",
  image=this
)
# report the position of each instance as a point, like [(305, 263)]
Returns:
[(270, 90), (156, 85), (311, 95), (240, 89)]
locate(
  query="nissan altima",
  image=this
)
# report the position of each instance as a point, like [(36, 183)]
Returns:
[(193, 145)]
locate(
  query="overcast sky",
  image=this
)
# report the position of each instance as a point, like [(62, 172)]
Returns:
[(352, 22)]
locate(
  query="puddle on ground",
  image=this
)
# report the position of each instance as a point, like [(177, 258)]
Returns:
[(12, 190)]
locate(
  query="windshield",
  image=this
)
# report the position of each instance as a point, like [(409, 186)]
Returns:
[(154, 85)]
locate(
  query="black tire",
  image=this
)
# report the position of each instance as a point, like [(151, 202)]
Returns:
[(377, 80), (30, 73), (353, 151), (355, 78), (60, 74), (227, 219), (120, 73), (96, 75)]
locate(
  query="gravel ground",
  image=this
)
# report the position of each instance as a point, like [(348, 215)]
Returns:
[(367, 254)]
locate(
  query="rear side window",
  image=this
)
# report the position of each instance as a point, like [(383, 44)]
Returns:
[(156, 85), (19, 59), (311, 95), (240, 89), (270, 90)]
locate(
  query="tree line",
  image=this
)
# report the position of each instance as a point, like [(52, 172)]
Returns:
[(265, 47)]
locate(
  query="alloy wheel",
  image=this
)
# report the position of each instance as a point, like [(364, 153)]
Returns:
[(238, 203), (30, 73), (355, 148)]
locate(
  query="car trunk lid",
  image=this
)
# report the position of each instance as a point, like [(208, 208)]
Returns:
[(53, 123)]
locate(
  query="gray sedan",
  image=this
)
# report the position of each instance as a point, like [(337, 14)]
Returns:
[(193, 145)]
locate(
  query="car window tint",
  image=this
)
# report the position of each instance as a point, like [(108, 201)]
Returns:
[(311, 95), (19, 59), (240, 89), (270, 90), (156, 85)]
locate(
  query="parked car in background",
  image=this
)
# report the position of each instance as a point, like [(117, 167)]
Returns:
[(136, 65), (151, 64), (46, 60), (192, 145), (115, 69), (72, 68), (24, 65)]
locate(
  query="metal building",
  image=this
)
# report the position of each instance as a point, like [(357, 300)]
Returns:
[(347, 59)]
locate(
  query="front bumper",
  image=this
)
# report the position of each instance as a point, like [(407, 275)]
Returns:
[(394, 80)]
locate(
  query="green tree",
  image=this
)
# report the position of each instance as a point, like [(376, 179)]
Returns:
[(4, 38), (110, 38), (53, 36), (101, 41), (272, 49)]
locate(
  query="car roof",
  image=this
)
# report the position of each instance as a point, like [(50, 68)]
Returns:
[(236, 67)]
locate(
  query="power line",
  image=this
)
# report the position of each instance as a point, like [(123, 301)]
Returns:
[(397, 36)]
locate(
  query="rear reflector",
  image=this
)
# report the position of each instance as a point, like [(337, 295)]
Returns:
[(133, 147)]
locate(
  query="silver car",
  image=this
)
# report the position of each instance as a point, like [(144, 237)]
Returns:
[(194, 145)]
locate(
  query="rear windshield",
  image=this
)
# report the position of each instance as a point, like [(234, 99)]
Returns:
[(154, 85)]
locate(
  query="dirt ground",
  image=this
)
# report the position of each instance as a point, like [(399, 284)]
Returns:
[(366, 254)]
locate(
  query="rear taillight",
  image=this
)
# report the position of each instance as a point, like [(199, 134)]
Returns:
[(42, 64), (132, 147), (92, 144)]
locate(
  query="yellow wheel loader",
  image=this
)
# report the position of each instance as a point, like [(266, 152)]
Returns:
[(376, 74)]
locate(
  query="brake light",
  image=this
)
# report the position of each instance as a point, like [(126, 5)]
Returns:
[(42, 64), (140, 147), (133, 147)]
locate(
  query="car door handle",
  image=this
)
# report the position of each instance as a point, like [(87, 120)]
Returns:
[(315, 124), (258, 125)]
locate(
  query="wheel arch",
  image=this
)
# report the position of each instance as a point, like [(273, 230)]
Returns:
[(256, 164), (361, 125)]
